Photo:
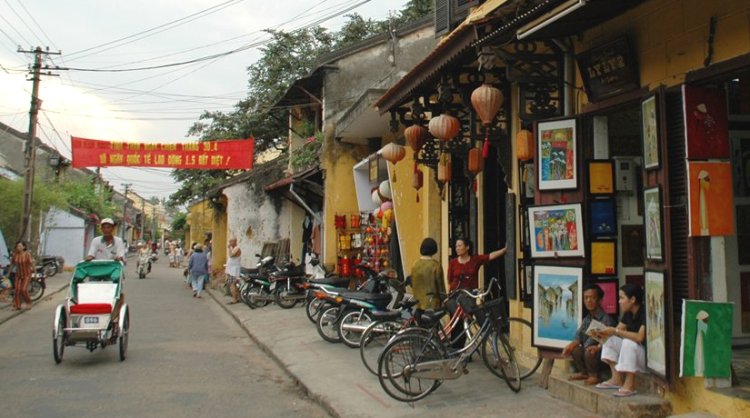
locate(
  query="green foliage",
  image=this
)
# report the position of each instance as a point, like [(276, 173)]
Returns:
[(179, 222), (286, 58), (11, 205), (83, 196), (308, 154)]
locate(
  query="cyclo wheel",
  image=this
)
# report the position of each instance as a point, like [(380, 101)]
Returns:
[(124, 335), (352, 337), (499, 357), (407, 350), (326, 325), (373, 340), (58, 337)]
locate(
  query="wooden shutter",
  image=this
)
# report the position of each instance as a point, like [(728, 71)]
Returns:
[(442, 17)]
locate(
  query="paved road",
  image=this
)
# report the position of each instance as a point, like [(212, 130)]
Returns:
[(186, 358)]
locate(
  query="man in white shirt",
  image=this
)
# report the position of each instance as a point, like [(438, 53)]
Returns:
[(107, 246)]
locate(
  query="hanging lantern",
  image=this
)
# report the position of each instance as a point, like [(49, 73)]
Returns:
[(444, 172), (376, 198), (417, 180), (486, 101), (445, 127), (524, 145), (385, 190), (474, 161), (393, 153), (415, 136)]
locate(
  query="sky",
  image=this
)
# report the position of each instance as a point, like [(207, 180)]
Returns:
[(143, 106)]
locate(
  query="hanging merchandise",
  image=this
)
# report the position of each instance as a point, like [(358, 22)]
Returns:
[(525, 145), (385, 190), (393, 153), (486, 101), (376, 197), (444, 127), (386, 205)]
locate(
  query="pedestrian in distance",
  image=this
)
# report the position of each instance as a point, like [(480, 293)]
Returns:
[(427, 276), (232, 270), (586, 350), (24, 265), (198, 266)]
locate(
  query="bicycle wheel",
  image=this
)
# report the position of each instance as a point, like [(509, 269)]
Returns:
[(349, 336), (535, 359), (408, 350), (499, 357), (374, 339)]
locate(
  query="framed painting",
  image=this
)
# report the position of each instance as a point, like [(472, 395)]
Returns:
[(603, 219), (652, 223), (601, 177), (650, 133), (604, 257), (556, 231), (706, 345), (557, 305), (706, 123), (525, 279), (556, 142), (632, 245), (528, 183), (611, 289), (656, 328), (373, 169), (710, 199)]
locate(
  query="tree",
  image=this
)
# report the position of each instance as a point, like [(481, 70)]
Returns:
[(11, 205)]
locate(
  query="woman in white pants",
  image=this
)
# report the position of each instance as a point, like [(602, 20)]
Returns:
[(625, 350)]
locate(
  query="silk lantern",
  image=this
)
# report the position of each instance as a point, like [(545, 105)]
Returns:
[(385, 190), (486, 101), (444, 127), (415, 136), (376, 198), (524, 145), (444, 170), (393, 153), (417, 180)]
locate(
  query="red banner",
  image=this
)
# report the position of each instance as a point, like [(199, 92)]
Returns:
[(208, 155)]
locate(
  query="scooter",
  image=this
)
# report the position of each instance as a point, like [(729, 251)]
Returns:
[(51, 265), (255, 289), (144, 265), (288, 285)]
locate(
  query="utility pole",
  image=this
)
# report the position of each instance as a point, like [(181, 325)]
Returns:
[(143, 218), (125, 209), (30, 150)]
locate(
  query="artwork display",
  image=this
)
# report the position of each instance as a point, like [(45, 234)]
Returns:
[(603, 218), (741, 163), (706, 343), (652, 223), (528, 179), (604, 257), (650, 133), (611, 288), (556, 230), (601, 177), (706, 124), (632, 245), (557, 305), (556, 142), (710, 199), (656, 331)]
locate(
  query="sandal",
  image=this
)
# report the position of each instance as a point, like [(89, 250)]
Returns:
[(607, 385), (578, 376), (624, 393)]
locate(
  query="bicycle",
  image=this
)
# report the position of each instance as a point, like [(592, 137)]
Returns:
[(415, 364)]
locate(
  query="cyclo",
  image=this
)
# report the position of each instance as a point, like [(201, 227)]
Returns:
[(86, 316)]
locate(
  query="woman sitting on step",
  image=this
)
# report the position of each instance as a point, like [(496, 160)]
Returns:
[(625, 351)]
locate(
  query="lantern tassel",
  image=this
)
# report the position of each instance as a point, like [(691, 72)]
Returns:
[(417, 196), (486, 145)]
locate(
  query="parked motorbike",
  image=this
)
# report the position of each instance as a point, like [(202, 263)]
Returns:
[(51, 264), (288, 285), (255, 288)]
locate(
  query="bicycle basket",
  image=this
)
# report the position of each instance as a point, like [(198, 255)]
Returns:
[(493, 308)]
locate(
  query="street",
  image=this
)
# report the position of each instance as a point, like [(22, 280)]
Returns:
[(186, 358)]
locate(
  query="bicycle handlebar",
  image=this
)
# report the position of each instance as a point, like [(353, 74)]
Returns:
[(479, 295)]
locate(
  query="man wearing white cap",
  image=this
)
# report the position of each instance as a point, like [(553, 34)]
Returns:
[(107, 246)]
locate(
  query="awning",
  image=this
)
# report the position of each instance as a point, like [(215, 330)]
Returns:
[(361, 121), (304, 189), (573, 17)]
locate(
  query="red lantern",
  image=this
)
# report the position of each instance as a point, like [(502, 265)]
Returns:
[(486, 101), (524, 145), (415, 136), (444, 171), (474, 162), (417, 180), (393, 153), (445, 127)]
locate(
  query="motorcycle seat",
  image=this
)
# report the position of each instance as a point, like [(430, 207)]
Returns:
[(247, 271), (369, 297), (385, 315), (333, 281)]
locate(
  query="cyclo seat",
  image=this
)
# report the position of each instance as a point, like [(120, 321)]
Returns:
[(385, 315)]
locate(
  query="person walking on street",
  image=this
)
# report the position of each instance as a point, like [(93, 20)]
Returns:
[(198, 266), (24, 266), (233, 269)]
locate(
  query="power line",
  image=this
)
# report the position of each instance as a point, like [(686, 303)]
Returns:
[(15, 30), (37, 24), (23, 22)]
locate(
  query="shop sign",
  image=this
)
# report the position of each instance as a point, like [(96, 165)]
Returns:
[(608, 69), (207, 155)]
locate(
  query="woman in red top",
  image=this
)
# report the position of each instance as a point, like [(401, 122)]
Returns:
[(463, 271), (24, 264)]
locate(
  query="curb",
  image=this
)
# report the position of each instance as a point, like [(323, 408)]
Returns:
[(319, 399), (46, 297)]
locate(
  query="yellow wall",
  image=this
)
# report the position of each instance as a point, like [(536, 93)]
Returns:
[(691, 395), (200, 221), (219, 238)]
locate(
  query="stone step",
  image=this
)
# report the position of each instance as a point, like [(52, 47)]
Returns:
[(601, 401), (694, 415)]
